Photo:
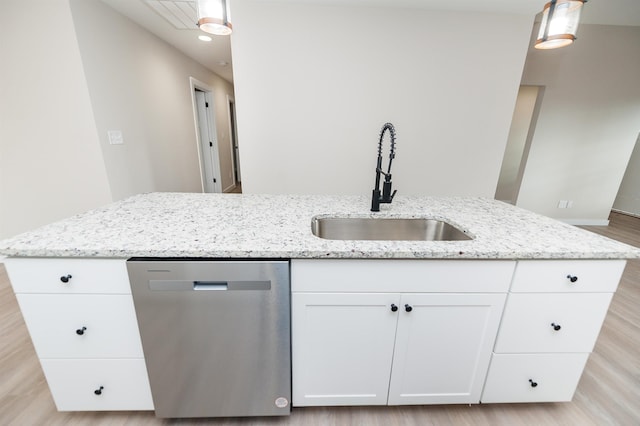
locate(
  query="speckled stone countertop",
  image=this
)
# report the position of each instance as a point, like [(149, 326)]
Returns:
[(278, 226)]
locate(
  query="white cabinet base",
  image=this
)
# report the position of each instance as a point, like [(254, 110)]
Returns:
[(82, 322), (343, 347)]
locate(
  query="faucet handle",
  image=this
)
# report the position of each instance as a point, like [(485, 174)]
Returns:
[(387, 196), (393, 194)]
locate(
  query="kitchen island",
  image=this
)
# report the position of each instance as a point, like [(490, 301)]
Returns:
[(508, 316)]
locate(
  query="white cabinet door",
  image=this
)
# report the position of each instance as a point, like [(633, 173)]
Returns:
[(342, 347), (98, 384), (567, 276), (443, 347), (82, 325), (552, 322), (68, 276), (533, 377)]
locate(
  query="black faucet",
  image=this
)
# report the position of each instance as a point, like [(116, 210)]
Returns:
[(386, 196)]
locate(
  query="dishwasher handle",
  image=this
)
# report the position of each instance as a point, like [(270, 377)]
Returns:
[(201, 285), (211, 285)]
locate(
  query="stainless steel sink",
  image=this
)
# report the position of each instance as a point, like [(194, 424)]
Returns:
[(385, 229)]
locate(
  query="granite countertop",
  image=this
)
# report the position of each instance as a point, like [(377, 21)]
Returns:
[(278, 226)]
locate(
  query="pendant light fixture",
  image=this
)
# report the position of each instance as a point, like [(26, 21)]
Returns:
[(559, 23), (213, 17)]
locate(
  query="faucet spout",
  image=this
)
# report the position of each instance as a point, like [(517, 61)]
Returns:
[(386, 196)]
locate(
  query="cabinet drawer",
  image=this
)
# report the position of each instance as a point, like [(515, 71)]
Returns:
[(552, 322), (400, 276), (55, 321), (512, 377), (546, 276), (73, 382), (34, 275)]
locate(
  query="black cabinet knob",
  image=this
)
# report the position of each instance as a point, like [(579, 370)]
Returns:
[(65, 278), (99, 390), (81, 331), (533, 384), (394, 308), (408, 308), (572, 278), (555, 326)]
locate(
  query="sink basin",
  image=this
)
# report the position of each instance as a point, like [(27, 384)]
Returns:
[(385, 229)]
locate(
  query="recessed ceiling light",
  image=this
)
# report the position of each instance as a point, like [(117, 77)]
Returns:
[(204, 38)]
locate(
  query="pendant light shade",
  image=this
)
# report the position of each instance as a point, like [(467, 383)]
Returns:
[(213, 17), (560, 20)]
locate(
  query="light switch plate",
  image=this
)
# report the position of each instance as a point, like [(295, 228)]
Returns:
[(115, 137)]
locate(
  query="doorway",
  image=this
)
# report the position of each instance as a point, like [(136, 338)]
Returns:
[(206, 136), (237, 179), (523, 124), (628, 199)]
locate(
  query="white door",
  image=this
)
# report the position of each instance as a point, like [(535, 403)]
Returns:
[(443, 347), (208, 143), (342, 347), (234, 140)]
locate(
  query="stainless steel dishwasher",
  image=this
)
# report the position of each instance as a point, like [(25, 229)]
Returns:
[(215, 334)]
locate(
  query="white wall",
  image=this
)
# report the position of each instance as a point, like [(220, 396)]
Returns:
[(313, 91), (140, 85), (588, 123), (628, 198), (50, 161), (62, 89)]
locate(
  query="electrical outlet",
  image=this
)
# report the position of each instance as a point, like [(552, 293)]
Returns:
[(569, 204), (115, 137), (562, 204)]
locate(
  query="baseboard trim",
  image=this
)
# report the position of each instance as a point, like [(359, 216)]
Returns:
[(626, 213), (586, 222)]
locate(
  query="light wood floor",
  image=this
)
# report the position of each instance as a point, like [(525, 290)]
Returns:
[(608, 394), (237, 189)]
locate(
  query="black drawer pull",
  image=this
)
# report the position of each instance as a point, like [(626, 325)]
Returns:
[(394, 308), (555, 326), (533, 384), (99, 390), (408, 308), (572, 278), (65, 278), (81, 331)]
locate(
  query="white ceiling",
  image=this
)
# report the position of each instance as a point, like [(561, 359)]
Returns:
[(217, 52)]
